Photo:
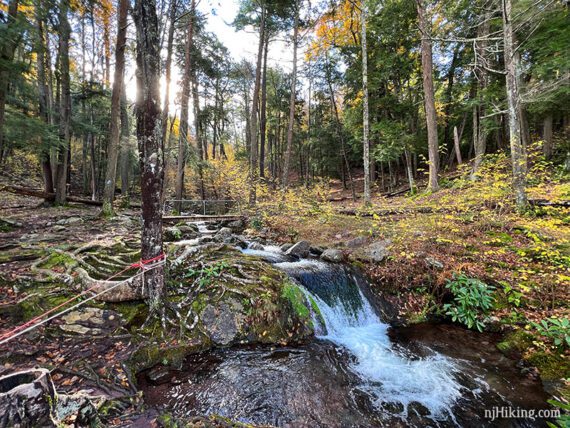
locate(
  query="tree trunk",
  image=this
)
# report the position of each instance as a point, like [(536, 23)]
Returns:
[(482, 76), (7, 49), (338, 128), (44, 107), (184, 102), (197, 129), (263, 119), (429, 98), (115, 138), (365, 113), (151, 146), (517, 152), (287, 161), (65, 104), (253, 166), (125, 147), (168, 68), (547, 146)]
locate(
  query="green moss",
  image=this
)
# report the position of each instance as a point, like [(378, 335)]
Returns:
[(295, 296), (552, 366), (150, 354), (515, 343), (42, 300), (134, 313), (58, 259)]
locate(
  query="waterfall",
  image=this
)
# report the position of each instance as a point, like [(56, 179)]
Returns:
[(350, 321)]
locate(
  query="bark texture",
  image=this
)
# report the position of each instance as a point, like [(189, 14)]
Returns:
[(114, 141), (429, 98), (290, 129), (150, 143), (365, 112), (517, 151)]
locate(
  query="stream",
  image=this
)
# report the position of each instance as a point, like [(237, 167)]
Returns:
[(358, 372)]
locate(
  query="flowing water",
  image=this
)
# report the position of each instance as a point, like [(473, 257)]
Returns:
[(358, 373)]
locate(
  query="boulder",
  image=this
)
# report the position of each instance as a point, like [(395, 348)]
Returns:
[(256, 246), (300, 249), (236, 225), (332, 255), (172, 234), (238, 300), (285, 247), (70, 220), (224, 232), (92, 321), (433, 263), (376, 252)]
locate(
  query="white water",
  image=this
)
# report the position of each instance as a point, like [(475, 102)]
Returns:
[(387, 375), (270, 253)]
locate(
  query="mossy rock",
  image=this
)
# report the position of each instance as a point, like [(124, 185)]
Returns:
[(225, 298), (551, 365), (515, 344)]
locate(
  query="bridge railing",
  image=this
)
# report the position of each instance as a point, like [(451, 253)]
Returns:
[(206, 207)]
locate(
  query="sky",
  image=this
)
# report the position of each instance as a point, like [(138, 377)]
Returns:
[(241, 44)]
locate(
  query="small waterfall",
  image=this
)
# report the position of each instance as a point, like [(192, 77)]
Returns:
[(389, 376)]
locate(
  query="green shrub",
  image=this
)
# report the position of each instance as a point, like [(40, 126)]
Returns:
[(555, 329), (472, 299)]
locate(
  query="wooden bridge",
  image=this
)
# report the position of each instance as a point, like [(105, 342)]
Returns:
[(209, 210), (204, 218)]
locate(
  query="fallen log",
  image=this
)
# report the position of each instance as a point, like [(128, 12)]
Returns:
[(51, 196), (546, 203), (393, 211)]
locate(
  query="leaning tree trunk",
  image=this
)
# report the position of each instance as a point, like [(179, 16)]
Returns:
[(365, 113), (114, 142), (253, 167), (184, 102), (292, 100), (65, 105), (151, 146), (517, 152), (429, 98)]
